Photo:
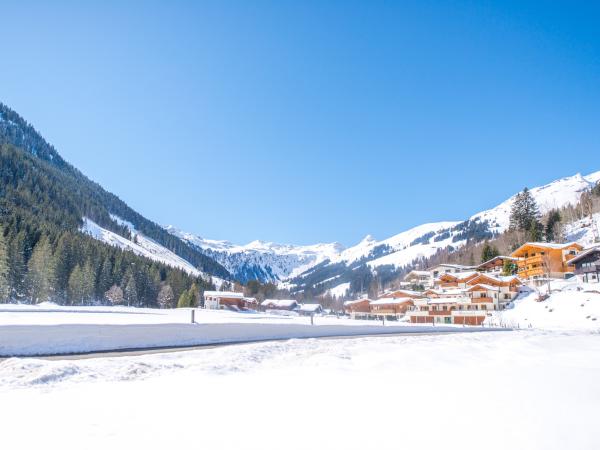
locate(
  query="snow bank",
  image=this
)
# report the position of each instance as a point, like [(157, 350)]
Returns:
[(564, 310), (51, 329), (515, 390)]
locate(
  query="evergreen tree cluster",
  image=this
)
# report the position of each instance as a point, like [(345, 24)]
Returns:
[(63, 195), (44, 256)]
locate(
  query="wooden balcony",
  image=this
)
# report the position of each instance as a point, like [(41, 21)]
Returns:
[(482, 300)]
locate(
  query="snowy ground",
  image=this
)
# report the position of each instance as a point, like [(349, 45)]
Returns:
[(520, 390), (51, 329)]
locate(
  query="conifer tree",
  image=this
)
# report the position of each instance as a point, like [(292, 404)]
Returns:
[(488, 252), (4, 285), (76, 289), (184, 300), (39, 280), (552, 225), (508, 268), (194, 295), (524, 209), (130, 292)]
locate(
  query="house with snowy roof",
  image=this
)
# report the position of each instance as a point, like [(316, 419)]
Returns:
[(496, 264), (465, 300), (419, 278), (538, 261), (586, 265), (391, 307), (309, 309), (228, 300), (280, 305), (358, 309)]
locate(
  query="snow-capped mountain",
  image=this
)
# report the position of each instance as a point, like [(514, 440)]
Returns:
[(265, 261), (141, 245), (332, 268)]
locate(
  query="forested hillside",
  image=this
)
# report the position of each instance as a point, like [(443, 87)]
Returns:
[(43, 255), (86, 198)]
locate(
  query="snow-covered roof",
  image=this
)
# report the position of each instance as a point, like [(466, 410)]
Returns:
[(452, 266), (391, 301), (353, 302), (460, 275), (280, 303), (223, 294), (310, 307), (487, 287), (420, 273), (548, 245), (434, 301), (585, 253)]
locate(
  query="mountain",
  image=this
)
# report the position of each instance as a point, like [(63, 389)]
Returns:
[(332, 268), (55, 224), (264, 261)]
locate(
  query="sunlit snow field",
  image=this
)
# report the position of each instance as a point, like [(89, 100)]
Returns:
[(520, 390)]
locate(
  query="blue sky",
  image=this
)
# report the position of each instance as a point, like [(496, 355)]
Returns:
[(308, 122)]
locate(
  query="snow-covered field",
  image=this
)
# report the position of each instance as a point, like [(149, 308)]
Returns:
[(521, 389), (50, 329)]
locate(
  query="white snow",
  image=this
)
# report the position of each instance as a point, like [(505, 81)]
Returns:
[(339, 291), (48, 328), (557, 194), (142, 246), (513, 390), (567, 308)]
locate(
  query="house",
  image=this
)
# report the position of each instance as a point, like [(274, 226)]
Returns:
[(357, 309), (542, 260), (587, 265), (496, 264), (309, 309), (402, 293), (441, 269), (391, 307), (419, 278), (457, 279), (465, 298), (228, 299), (280, 305)]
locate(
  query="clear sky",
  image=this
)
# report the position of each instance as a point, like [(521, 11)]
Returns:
[(306, 121)]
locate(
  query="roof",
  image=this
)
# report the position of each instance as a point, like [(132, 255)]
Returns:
[(487, 287), (449, 300), (496, 258), (454, 266), (353, 302), (280, 303), (223, 294), (420, 273), (460, 275), (547, 245), (310, 307), (584, 253), (391, 301)]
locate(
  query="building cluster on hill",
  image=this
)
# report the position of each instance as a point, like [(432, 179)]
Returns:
[(459, 294)]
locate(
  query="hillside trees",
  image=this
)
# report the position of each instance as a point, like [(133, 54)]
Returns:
[(166, 297), (44, 256), (488, 252), (525, 217), (39, 280), (4, 285)]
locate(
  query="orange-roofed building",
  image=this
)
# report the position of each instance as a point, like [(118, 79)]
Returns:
[(540, 260)]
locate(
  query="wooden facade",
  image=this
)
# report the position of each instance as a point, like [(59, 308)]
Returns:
[(586, 265), (539, 260)]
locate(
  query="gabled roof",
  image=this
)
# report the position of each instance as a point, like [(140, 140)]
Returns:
[(354, 302), (585, 253), (460, 275), (452, 266), (223, 294), (496, 258), (280, 303), (546, 245), (487, 287), (310, 307), (391, 301)]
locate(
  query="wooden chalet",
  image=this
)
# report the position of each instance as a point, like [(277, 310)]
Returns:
[(587, 265), (228, 300), (542, 260)]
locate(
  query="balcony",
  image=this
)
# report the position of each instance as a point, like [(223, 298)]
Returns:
[(532, 260)]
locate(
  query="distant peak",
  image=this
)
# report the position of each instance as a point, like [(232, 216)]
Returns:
[(368, 239)]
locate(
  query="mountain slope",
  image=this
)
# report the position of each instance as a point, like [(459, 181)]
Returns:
[(84, 198), (264, 261), (390, 257)]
